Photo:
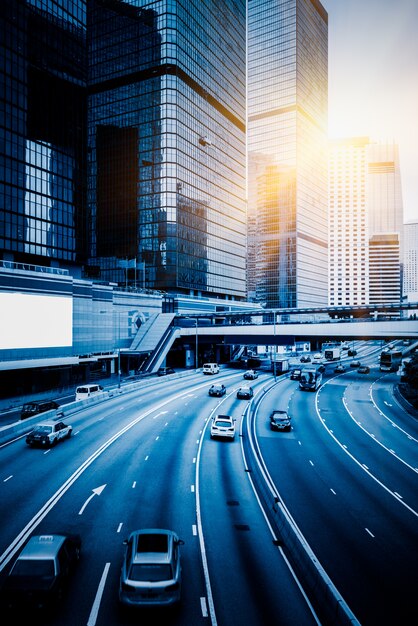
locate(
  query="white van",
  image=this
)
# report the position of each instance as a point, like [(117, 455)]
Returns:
[(211, 368), (88, 391)]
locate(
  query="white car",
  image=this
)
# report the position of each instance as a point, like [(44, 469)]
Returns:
[(47, 434), (317, 356), (222, 427)]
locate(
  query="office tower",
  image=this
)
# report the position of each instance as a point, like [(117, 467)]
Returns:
[(124, 141), (348, 225), (43, 218), (287, 152), (410, 275), (166, 145), (365, 222), (384, 268)]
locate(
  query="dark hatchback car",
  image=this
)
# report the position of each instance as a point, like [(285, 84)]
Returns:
[(40, 574), (352, 352), (165, 371), (364, 369), (217, 391), (305, 359), (33, 408)]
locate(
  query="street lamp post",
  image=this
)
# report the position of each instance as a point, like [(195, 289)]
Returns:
[(196, 360), (274, 352)]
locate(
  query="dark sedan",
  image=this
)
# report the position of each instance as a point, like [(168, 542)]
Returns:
[(245, 393), (250, 375), (217, 391), (280, 420), (40, 574)]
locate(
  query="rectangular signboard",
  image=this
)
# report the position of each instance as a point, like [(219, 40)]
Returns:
[(35, 321)]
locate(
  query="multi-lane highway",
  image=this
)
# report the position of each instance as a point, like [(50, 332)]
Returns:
[(346, 473)]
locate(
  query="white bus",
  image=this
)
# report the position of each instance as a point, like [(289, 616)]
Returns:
[(83, 392)]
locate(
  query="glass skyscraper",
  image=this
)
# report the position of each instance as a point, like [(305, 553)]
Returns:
[(166, 144), (43, 102), (123, 141), (287, 156)]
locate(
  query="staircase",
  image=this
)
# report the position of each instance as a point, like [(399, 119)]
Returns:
[(151, 332)]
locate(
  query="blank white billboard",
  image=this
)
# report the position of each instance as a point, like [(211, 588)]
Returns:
[(34, 321)]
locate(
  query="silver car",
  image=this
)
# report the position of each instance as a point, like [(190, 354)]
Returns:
[(151, 570)]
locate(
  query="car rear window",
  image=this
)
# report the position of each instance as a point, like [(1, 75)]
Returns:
[(223, 423), (152, 543), (150, 572), (43, 568)]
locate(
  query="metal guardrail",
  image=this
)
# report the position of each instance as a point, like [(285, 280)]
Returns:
[(325, 598)]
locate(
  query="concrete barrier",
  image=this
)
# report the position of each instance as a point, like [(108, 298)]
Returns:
[(22, 427)]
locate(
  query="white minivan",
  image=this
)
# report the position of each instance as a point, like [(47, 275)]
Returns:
[(210, 368), (83, 392)]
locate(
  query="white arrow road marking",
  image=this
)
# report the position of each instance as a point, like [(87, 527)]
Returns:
[(96, 492)]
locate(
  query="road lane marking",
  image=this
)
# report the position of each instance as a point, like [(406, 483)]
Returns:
[(204, 607), (96, 604), (369, 473)]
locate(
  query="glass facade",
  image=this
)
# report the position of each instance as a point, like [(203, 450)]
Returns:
[(166, 145), (43, 121), (123, 144), (287, 156)]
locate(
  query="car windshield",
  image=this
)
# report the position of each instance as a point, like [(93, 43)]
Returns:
[(43, 429), (82, 390), (30, 567), (150, 572)]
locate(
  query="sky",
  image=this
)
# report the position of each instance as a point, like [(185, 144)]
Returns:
[(373, 79)]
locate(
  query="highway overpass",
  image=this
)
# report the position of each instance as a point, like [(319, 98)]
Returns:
[(285, 333)]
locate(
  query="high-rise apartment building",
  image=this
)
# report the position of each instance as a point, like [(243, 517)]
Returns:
[(410, 274), (287, 152), (365, 222), (124, 137)]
